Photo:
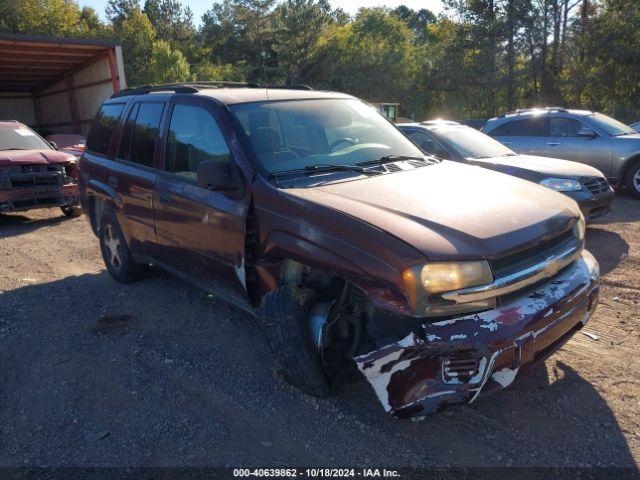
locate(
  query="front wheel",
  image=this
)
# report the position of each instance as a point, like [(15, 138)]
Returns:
[(115, 252), (633, 180), (283, 317)]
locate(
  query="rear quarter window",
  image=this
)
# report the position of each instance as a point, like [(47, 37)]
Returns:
[(103, 128)]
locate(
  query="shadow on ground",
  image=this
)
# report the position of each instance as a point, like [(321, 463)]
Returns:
[(17, 224), (157, 373), (608, 247)]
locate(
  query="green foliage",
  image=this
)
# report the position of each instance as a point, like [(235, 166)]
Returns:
[(137, 36), (167, 65)]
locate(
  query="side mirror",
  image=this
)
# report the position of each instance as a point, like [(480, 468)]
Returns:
[(54, 145), (587, 132), (215, 175)]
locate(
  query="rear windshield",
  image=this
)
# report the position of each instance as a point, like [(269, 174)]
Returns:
[(103, 127), (21, 138), (292, 135)]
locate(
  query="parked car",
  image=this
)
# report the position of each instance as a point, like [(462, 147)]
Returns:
[(579, 135), (33, 174), (635, 126), (67, 143), (351, 246), (453, 141)]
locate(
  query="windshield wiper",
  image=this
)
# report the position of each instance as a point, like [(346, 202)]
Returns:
[(393, 158), (329, 167)]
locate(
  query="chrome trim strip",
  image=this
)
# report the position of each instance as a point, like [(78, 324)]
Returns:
[(517, 280)]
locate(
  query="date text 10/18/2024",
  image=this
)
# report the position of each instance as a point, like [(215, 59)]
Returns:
[(315, 473)]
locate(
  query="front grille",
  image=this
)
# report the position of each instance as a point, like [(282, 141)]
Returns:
[(596, 185), (518, 261), (25, 176)]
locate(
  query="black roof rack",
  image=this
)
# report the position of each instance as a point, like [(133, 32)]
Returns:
[(195, 87)]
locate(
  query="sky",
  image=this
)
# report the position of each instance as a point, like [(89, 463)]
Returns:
[(200, 6)]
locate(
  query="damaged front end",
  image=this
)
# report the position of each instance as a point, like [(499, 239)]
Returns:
[(25, 187), (453, 361)]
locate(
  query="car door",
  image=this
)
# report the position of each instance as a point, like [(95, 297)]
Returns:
[(523, 135), (201, 232), (564, 141), (135, 176)]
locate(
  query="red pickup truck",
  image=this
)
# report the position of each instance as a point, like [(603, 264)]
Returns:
[(33, 174)]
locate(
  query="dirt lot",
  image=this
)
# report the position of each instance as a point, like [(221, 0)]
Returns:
[(159, 373)]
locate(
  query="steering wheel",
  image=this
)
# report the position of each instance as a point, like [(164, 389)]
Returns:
[(349, 141)]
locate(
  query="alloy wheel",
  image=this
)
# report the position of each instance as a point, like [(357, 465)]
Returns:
[(113, 246)]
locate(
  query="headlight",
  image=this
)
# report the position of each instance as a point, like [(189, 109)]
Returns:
[(579, 227), (561, 184), (423, 283)]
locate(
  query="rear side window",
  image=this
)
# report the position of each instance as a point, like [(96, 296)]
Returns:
[(194, 136), (143, 133), (527, 127), (103, 127)]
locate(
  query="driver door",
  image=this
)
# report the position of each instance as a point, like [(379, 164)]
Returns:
[(201, 232)]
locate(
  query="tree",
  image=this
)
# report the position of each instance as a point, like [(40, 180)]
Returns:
[(137, 36), (298, 26), (167, 65), (373, 57), (41, 17)]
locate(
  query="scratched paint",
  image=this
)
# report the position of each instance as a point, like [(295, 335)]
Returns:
[(407, 375)]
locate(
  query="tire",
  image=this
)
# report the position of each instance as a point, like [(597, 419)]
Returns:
[(633, 180), (115, 252), (283, 317), (71, 211)]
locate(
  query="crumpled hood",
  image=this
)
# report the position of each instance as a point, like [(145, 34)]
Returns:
[(548, 167), (450, 210), (31, 157)]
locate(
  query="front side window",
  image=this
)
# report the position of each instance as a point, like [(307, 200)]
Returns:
[(294, 134), (194, 136), (564, 127), (427, 144), (145, 133), (103, 128), (19, 137)]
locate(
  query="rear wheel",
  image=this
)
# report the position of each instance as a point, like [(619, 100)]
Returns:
[(71, 211), (633, 179), (115, 253)]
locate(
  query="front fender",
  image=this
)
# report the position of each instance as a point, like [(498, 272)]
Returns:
[(280, 245)]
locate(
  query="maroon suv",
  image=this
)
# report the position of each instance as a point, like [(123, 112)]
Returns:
[(33, 174), (438, 281)]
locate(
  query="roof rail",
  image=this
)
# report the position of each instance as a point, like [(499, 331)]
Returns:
[(194, 87), (523, 110)]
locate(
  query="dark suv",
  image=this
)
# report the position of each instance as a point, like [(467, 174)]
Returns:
[(436, 280)]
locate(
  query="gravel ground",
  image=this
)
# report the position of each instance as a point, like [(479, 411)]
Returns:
[(158, 373)]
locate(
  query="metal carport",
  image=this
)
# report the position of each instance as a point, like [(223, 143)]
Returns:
[(57, 84)]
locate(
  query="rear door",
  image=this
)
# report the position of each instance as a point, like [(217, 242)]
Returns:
[(201, 232), (564, 142), (524, 135), (135, 176)]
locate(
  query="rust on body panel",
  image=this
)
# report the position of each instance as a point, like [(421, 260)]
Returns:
[(408, 375)]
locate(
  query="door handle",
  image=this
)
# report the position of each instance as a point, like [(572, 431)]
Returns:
[(112, 181), (553, 144)]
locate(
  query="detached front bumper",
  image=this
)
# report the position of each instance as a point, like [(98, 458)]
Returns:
[(27, 198), (454, 361)]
